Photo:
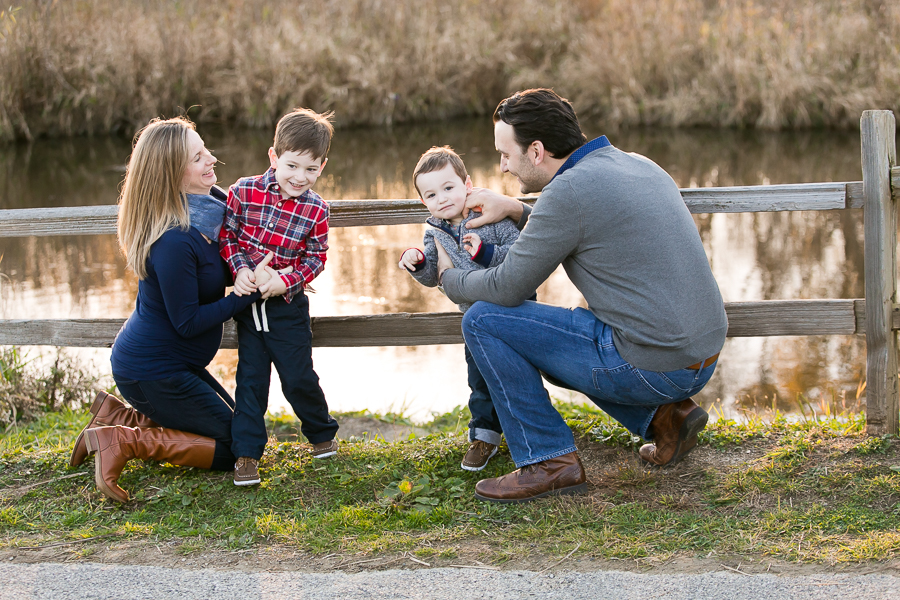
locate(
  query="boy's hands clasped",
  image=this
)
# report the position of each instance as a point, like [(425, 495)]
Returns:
[(264, 278)]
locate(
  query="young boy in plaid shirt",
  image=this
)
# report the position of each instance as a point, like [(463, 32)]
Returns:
[(277, 212)]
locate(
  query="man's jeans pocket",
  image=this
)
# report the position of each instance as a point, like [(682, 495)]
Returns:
[(630, 385)]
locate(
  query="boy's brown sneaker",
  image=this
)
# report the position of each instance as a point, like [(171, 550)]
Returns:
[(246, 471), (324, 449), (478, 455)]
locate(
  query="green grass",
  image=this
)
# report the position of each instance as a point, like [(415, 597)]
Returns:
[(809, 491)]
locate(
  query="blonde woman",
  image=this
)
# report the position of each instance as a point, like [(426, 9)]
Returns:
[(170, 213)]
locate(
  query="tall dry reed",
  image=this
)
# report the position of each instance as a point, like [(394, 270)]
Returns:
[(110, 65)]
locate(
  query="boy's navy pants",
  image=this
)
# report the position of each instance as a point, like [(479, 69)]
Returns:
[(485, 424), (288, 345)]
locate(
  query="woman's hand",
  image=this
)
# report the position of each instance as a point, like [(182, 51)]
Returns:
[(244, 282)]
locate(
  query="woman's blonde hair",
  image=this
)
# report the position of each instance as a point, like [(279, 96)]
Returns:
[(152, 200)]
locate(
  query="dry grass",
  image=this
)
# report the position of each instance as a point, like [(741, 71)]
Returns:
[(110, 65)]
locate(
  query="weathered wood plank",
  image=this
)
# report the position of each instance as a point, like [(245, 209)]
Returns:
[(98, 220), (393, 329), (766, 198), (791, 317), (746, 319), (361, 213), (879, 154), (74, 333), (855, 198), (69, 220)]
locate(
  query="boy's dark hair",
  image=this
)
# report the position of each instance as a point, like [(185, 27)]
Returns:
[(304, 130), (435, 159), (542, 114)]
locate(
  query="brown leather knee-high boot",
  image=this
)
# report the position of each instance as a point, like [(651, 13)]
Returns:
[(114, 446), (107, 410)]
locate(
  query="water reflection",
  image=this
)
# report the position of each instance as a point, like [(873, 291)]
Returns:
[(754, 256)]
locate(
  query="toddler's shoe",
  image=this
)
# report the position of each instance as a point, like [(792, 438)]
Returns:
[(246, 471), (478, 455), (324, 449)]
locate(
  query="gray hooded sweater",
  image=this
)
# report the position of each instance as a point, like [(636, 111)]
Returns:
[(619, 226), (496, 240)]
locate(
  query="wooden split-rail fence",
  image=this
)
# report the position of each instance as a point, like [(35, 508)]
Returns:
[(877, 316)]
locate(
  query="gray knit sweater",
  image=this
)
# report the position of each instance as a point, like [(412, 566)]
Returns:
[(617, 223), (496, 240)]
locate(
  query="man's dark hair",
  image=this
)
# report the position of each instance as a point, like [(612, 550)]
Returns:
[(542, 114)]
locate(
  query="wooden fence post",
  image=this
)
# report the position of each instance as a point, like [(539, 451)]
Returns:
[(879, 154)]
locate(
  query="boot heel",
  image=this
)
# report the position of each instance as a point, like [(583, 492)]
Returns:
[(693, 424), (91, 441), (98, 402)]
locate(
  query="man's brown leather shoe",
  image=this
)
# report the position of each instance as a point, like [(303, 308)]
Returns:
[(555, 477), (675, 428)]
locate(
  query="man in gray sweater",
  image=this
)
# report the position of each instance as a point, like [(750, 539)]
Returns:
[(655, 321)]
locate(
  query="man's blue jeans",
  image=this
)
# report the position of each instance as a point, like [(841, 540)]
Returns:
[(512, 346)]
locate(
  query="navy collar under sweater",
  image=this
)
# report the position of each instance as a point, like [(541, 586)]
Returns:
[(207, 212), (594, 144), (454, 231)]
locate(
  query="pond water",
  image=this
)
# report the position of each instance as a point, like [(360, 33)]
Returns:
[(761, 256)]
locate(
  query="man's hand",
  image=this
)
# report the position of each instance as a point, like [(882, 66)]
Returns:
[(261, 274), (410, 258), (472, 243), (493, 207), (444, 261), (244, 282), (274, 287)]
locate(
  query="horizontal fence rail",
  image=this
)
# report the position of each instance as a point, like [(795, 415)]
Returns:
[(98, 220), (745, 319), (877, 194)]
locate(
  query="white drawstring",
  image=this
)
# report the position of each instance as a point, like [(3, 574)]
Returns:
[(265, 320)]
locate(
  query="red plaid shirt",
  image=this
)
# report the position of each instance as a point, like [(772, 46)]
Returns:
[(258, 220)]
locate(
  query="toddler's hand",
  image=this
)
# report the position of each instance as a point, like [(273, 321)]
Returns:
[(472, 243), (244, 282), (410, 258)]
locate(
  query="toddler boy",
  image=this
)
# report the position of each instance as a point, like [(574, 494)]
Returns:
[(278, 212), (441, 179)]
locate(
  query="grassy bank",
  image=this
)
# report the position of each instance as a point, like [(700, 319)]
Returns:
[(807, 492), (110, 65)]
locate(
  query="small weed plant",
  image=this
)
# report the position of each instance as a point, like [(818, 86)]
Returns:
[(27, 391)]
